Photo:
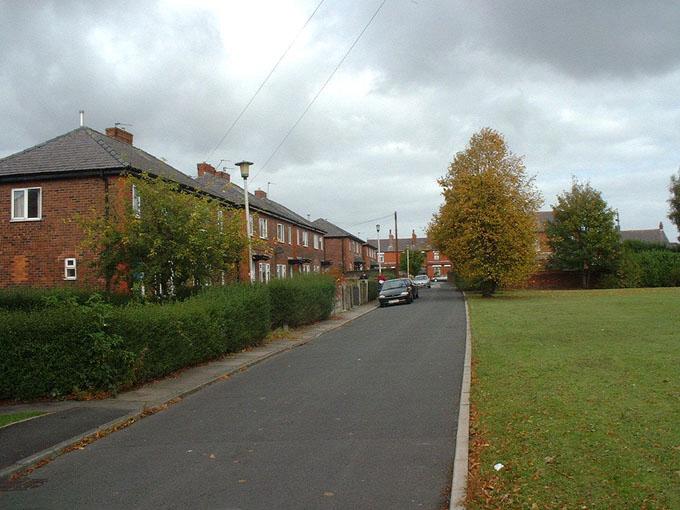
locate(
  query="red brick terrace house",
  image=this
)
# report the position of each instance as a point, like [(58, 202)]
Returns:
[(292, 244), (78, 173), (343, 250), (44, 187), (436, 263)]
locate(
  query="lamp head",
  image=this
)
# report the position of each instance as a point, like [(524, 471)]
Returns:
[(377, 227), (245, 168)]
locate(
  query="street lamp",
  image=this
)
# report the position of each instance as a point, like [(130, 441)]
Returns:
[(377, 228), (245, 171)]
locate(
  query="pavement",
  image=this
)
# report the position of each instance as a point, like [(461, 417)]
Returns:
[(363, 417), (68, 422)]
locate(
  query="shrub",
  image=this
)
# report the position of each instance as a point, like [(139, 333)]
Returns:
[(301, 300), (29, 298), (373, 288)]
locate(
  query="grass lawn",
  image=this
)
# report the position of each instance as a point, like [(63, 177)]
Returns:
[(577, 393), (6, 419)]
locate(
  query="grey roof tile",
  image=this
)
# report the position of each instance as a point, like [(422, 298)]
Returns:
[(333, 230)]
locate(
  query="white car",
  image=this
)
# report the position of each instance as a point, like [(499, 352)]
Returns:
[(421, 280)]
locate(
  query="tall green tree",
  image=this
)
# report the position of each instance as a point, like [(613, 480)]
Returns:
[(415, 261), (674, 201), (171, 241), (583, 234), (486, 225)]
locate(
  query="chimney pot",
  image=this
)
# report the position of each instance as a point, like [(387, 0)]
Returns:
[(260, 193), (119, 134), (205, 168), (661, 225)]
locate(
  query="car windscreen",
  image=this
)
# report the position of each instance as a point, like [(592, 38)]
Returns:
[(393, 284), (419, 278)]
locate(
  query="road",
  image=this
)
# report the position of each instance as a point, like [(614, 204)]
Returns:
[(362, 417)]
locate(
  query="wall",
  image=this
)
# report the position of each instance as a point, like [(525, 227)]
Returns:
[(32, 253)]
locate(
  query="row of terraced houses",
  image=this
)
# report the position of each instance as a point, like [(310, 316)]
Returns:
[(77, 173)]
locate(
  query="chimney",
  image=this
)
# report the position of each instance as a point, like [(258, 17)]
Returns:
[(661, 225), (223, 175), (391, 236), (119, 134), (205, 168), (260, 193), (414, 238)]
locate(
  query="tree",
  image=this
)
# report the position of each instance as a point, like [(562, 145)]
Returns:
[(583, 234), (172, 241), (415, 261), (486, 225), (674, 201)]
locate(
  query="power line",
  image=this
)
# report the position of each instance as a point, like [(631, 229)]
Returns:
[(238, 117), (292, 128)]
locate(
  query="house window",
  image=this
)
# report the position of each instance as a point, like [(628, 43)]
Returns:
[(280, 233), (297, 233), (280, 270), (317, 269), (264, 272), (381, 257), (305, 238), (306, 268), (26, 204), (321, 242), (435, 255), (316, 242), (263, 228), (136, 202), (70, 270), (290, 234)]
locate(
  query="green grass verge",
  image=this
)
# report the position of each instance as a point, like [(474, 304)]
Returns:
[(577, 393), (6, 419)]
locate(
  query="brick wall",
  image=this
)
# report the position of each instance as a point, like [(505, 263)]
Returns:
[(32, 253)]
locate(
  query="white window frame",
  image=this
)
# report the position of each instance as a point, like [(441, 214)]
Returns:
[(290, 234), (297, 235), (305, 238), (264, 272), (280, 233), (321, 242), (262, 227), (25, 204), (70, 264), (435, 255), (316, 242), (306, 268), (281, 271), (136, 202)]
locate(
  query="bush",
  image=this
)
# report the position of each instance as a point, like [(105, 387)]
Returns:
[(301, 300), (648, 268), (373, 289)]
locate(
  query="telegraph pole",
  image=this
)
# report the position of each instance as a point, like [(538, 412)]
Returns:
[(396, 240)]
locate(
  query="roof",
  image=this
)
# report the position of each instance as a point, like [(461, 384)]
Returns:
[(420, 244), (85, 150), (335, 231), (219, 187), (656, 236)]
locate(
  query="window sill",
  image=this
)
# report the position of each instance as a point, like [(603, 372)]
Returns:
[(21, 220)]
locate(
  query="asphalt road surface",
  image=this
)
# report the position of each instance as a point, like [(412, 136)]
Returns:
[(363, 417)]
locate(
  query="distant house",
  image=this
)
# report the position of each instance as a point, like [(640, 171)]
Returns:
[(436, 263), (78, 173), (654, 236), (344, 250)]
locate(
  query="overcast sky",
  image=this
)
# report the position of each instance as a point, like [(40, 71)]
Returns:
[(582, 88)]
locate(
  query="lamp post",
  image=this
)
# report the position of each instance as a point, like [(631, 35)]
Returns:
[(245, 171), (377, 228)]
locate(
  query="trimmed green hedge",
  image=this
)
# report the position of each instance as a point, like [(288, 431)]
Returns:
[(30, 298), (649, 268), (301, 300), (72, 345)]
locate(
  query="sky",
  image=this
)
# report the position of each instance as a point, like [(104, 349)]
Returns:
[(578, 88)]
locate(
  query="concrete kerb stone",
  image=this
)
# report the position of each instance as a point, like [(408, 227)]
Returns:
[(460, 461), (55, 451)]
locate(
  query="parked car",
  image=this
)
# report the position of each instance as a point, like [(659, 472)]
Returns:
[(396, 291), (413, 287), (422, 280)]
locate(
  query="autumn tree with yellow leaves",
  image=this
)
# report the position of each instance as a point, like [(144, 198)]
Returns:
[(487, 224)]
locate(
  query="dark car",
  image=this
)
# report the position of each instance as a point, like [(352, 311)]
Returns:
[(396, 291), (412, 286)]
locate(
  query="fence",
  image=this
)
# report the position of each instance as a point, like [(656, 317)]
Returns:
[(350, 293)]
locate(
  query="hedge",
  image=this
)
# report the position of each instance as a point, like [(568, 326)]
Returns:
[(30, 298), (68, 346), (301, 300), (649, 268)]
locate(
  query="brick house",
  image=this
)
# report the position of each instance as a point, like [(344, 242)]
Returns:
[(370, 254), (289, 244), (343, 250), (79, 173), (436, 263)]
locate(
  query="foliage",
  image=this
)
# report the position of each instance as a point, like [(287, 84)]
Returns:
[(674, 201), (565, 404), (175, 243), (301, 300), (31, 298), (372, 289), (583, 234), (635, 245), (416, 260), (487, 222)]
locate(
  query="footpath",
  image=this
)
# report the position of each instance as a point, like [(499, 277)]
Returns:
[(69, 423)]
